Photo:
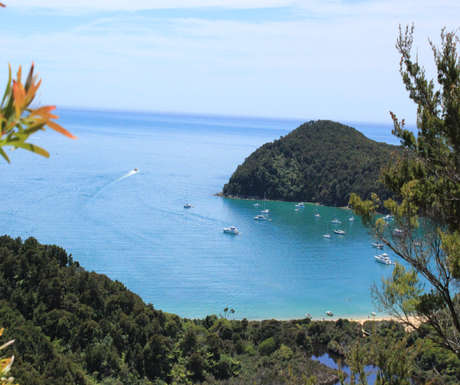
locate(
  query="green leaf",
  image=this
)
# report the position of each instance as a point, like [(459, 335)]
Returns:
[(34, 128), (31, 147), (3, 153), (8, 87)]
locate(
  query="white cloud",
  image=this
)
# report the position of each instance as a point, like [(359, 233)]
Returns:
[(317, 7), (339, 64), (136, 5)]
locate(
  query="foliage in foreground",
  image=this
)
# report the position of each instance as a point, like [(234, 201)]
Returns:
[(76, 327), (18, 121), (6, 363), (426, 182)]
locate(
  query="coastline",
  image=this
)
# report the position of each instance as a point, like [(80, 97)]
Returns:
[(236, 197), (358, 319)]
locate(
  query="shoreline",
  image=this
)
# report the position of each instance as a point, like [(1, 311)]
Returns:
[(358, 319), (221, 195)]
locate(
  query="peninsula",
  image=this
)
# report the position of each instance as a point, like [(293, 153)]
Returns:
[(321, 161)]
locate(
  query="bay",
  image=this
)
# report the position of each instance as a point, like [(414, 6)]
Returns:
[(133, 226)]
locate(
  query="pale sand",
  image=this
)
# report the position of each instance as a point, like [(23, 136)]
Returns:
[(361, 320)]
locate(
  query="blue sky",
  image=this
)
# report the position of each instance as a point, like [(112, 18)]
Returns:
[(312, 59)]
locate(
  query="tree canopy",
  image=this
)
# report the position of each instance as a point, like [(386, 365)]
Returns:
[(320, 161), (425, 181)]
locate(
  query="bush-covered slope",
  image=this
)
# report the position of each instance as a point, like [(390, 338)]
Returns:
[(320, 161), (75, 327)]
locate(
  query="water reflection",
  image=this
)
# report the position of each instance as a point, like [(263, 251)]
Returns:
[(334, 361)]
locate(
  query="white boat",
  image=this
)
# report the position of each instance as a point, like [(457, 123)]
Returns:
[(326, 236), (377, 245), (256, 205), (260, 218), (187, 206), (317, 215), (265, 211), (351, 219), (339, 232), (388, 217), (300, 204), (336, 221), (398, 232), (384, 259), (329, 313), (231, 230)]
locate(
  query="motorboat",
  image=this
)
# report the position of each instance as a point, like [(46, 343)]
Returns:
[(265, 211), (317, 215), (383, 259), (300, 204), (187, 206), (327, 236), (388, 217), (398, 232), (260, 218), (231, 230), (351, 219), (329, 313), (256, 204), (377, 245), (339, 232), (336, 221)]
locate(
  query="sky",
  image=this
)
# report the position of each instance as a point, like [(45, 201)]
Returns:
[(312, 59)]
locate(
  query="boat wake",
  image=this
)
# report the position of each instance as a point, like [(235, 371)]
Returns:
[(131, 173), (127, 175)]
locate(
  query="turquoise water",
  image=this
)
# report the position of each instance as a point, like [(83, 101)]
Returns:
[(134, 227)]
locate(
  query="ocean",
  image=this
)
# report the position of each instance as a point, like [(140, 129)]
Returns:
[(133, 226)]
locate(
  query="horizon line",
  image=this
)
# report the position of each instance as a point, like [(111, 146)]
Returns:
[(223, 115)]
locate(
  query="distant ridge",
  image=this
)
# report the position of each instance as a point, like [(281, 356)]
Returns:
[(320, 161)]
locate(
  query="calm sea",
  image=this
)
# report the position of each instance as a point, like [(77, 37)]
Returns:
[(134, 227)]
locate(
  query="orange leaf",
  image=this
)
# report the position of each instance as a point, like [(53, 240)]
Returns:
[(31, 92), (44, 112), (19, 75), (30, 77), (60, 129), (19, 96)]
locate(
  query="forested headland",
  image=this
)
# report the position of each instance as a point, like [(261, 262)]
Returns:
[(320, 161)]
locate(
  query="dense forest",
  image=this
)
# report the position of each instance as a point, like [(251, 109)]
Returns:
[(320, 161), (76, 327)]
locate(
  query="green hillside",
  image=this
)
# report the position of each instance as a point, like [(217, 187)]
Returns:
[(320, 161), (75, 327)]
